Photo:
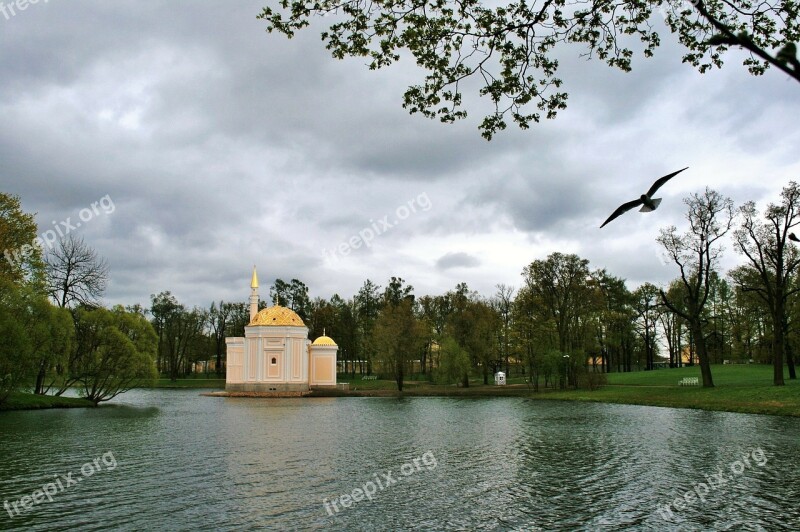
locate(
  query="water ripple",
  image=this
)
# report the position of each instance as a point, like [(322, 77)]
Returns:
[(196, 463)]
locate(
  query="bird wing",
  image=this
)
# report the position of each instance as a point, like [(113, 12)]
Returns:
[(661, 181), (625, 207), (793, 237)]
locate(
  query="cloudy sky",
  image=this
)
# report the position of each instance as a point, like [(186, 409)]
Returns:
[(207, 145)]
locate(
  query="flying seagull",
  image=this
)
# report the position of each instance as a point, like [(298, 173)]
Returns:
[(793, 237), (647, 201)]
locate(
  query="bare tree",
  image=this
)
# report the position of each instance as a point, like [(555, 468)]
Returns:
[(697, 253), (776, 261), (75, 274)]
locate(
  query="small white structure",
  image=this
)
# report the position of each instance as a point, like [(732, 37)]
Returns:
[(500, 378)]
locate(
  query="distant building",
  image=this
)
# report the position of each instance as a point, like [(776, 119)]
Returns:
[(275, 354)]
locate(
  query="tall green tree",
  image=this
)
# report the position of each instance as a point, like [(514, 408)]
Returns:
[(293, 295), (21, 249), (368, 303), (164, 308), (180, 332), (613, 319), (396, 338), (397, 291), (560, 285), (646, 303), (239, 318), (219, 322), (279, 292), (435, 313), (481, 340)]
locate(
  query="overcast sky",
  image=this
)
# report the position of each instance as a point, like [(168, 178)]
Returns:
[(207, 145)]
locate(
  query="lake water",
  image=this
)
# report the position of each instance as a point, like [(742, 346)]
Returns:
[(173, 460)]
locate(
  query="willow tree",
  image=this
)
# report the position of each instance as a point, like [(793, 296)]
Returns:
[(696, 253), (769, 253), (509, 51), (16, 361), (116, 352)]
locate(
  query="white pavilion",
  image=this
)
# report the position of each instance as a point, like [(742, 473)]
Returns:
[(275, 354)]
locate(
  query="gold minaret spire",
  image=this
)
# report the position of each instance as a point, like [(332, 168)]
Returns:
[(254, 281), (253, 295)]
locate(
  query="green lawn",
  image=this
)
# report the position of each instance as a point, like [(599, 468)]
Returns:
[(723, 374), (738, 388), (29, 401)]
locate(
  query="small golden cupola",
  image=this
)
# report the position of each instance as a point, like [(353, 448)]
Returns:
[(324, 340)]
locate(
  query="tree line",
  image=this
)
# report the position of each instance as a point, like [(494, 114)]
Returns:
[(566, 324)]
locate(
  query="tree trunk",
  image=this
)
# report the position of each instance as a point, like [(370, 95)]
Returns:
[(39, 390), (400, 379), (779, 341), (702, 354), (788, 348)]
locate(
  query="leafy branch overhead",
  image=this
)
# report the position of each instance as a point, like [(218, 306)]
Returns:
[(510, 50)]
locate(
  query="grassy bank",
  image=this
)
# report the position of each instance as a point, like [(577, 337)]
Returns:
[(185, 383), (738, 388), (30, 401)]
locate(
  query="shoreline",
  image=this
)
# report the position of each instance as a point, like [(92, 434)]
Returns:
[(746, 390), (622, 394), (19, 401)]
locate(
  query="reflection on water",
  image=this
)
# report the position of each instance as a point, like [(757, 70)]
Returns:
[(190, 462)]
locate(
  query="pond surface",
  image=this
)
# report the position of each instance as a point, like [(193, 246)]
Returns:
[(173, 460)]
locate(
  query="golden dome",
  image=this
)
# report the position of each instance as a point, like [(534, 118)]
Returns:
[(278, 316), (324, 340)]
